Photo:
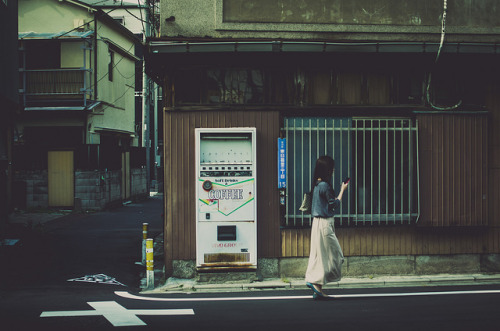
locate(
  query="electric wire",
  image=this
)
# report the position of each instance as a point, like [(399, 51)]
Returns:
[(84, 24), (103, 39), (136, 17), (114, 66), (427, 93), (142, 20)]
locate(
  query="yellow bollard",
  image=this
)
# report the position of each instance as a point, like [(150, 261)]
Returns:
[(144, 237), (150, 278)]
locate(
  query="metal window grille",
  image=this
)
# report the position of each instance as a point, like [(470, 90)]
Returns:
[(380, 156)]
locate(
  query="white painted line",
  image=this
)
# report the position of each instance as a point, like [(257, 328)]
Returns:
[(414, 294), (127, 295), (70, 313), (117, 314), (163, 312)]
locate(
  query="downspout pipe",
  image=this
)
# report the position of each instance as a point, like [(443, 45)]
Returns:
[(95, 56)]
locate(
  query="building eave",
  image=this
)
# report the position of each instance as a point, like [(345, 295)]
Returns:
[(278, 46)]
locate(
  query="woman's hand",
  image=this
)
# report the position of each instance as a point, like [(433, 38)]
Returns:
[(342, 189)]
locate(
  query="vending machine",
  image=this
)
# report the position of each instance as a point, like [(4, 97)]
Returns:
[(226, 199)]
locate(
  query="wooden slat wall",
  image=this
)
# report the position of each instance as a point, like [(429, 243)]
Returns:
[(493, 105), (180, 204), (465, 154), (380, 241), (454, 170)]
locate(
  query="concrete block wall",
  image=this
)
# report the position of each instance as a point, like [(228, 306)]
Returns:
[(365, 266), (355, 266), (97, 189), (36, 188), (94, 190), (113, 185), (90, 190), (138, 182)]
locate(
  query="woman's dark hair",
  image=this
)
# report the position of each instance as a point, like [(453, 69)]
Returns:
[(324, 170)]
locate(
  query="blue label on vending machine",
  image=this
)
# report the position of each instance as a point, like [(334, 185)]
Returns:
[(281, 163)]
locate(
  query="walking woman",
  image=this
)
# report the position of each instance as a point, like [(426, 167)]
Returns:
[(326, 257)]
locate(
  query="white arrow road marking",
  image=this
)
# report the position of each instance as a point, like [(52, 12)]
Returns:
[(117, 314), (292, 297)]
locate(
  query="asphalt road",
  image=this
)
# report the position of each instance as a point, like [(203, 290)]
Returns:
[(35, 272), (106, 242), (35, 293), (266, 310)]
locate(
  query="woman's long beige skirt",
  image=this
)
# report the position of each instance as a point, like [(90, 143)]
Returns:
[(326, 257)]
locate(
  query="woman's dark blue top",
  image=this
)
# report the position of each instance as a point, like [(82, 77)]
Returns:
[(324, 201)]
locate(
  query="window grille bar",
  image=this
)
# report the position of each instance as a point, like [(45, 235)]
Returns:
[(418, 175), (394, 175), (360, 155), (349, 157), (310, 159), (364, 171), (379, 173), (302, 182), (342, 173), (410, 167), (355, 194), (371, 170), (387, 168)]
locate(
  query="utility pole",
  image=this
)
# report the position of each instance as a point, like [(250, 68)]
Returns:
[(146, 140)]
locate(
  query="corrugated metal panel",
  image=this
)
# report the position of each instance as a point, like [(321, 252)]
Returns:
[(180, 169), (50, 35), (454, 168)]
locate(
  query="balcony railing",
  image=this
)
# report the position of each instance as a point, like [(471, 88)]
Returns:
[(56, 87)]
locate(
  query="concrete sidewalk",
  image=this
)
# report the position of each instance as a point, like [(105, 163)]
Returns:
[(33, 218), (174, 285)]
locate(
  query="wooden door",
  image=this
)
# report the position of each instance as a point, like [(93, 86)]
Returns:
[(61, 179)]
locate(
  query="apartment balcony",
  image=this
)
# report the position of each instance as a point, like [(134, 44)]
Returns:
[(56, 88)]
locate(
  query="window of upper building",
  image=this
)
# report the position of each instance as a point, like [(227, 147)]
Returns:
[(119, 19), (111, 65), (43, 54)]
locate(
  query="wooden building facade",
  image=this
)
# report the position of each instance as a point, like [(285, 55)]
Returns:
[(420, 138)]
